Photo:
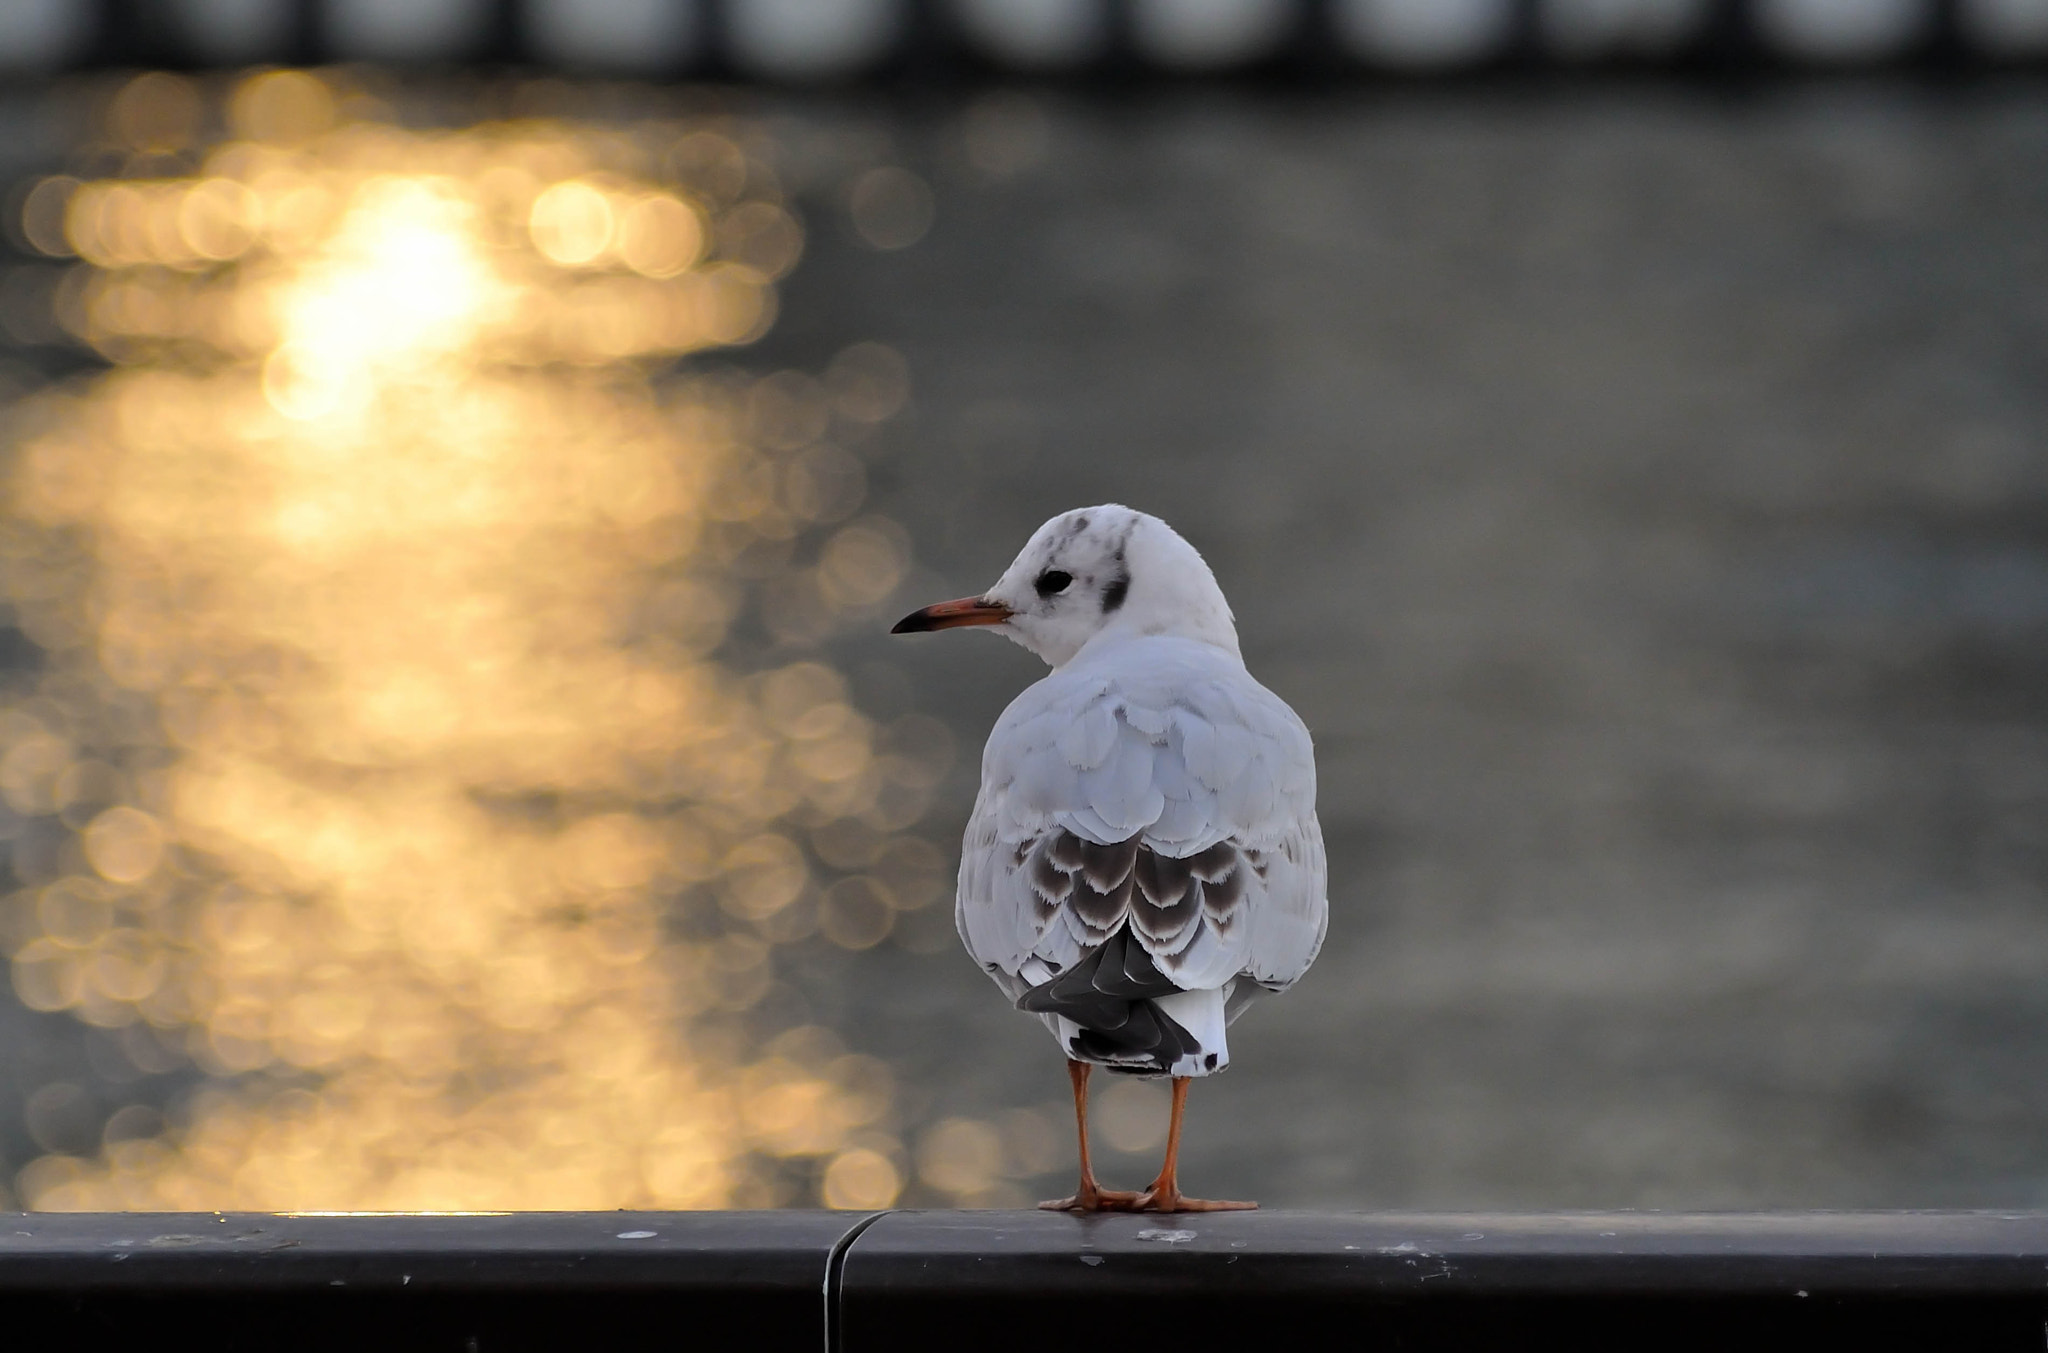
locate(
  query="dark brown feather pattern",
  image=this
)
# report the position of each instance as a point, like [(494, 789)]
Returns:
[(1137, 911), (1103, 886)]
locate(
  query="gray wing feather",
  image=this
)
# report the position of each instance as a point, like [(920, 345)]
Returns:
[(1288, 929), (1180, 752)]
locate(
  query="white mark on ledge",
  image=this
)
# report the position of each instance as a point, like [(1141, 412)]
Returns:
[(1092, 1260), (1165, 1236), (636, 1235)]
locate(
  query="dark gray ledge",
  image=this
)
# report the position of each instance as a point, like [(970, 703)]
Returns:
[(983, 1281), (464, 1284), (1325, 1256)]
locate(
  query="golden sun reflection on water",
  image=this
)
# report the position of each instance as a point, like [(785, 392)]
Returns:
[(380, 763)]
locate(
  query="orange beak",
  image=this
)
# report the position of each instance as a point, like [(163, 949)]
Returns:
[(950, 615)]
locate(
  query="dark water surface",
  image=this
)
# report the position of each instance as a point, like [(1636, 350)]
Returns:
[(1641, 494)]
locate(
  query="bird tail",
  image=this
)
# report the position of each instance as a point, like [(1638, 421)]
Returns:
[(1116, 1009)]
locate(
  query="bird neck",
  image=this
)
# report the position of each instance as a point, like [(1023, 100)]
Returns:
[(1211, 627)]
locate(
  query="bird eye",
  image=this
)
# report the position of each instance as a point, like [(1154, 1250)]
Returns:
[(1052, 582)]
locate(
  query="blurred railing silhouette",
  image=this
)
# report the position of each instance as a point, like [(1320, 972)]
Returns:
[(1002, 1280), (808, 40)]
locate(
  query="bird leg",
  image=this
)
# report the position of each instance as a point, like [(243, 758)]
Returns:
[(1090, 1197), (1164, 1195)]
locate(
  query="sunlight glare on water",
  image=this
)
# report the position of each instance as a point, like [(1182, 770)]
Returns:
[(381, 762)]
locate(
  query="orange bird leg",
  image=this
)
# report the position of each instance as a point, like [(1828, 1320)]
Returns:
[(1090, 1197), (1165, 1194)]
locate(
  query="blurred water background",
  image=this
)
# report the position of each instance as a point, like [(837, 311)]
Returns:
[(453, 758)]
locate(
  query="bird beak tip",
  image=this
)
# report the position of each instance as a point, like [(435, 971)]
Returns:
[(948, 615)]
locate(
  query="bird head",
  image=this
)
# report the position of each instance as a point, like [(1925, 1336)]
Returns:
[(1094, 573)]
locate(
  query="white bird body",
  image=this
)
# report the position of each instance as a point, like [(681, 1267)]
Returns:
[(1148, 790), (1144, 853)]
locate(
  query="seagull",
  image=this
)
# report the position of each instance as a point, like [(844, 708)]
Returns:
[(1144, 856)]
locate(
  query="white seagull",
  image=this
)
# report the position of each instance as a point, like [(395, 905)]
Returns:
[(1144, 855)]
